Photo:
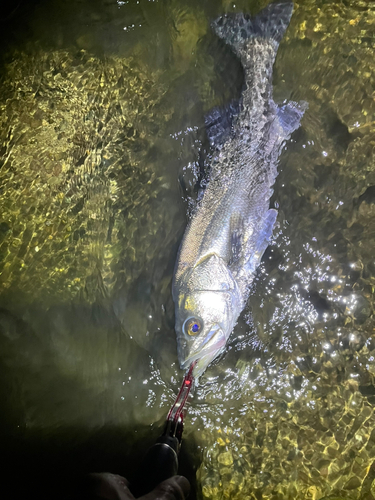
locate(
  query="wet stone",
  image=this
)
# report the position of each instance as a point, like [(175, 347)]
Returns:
[(225, 458)]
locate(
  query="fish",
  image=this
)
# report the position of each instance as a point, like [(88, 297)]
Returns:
[(232, 224)]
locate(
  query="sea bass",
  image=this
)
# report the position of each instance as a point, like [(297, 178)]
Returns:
[(232, 224)]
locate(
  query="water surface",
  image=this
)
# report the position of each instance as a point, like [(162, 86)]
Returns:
[(102, 110)]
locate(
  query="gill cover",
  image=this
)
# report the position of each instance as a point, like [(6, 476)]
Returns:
[(207, 307)]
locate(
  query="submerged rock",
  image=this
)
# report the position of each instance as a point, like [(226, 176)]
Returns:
[(79, 188)]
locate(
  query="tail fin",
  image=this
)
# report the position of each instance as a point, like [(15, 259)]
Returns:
[(271, 24)]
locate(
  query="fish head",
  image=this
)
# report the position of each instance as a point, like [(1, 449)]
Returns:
[(204, 321)]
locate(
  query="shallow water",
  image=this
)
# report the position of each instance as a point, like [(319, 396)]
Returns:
[(102, 120)]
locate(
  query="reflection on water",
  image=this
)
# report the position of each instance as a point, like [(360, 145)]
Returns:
[(102, 112)]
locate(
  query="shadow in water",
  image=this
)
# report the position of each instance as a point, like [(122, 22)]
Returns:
[(53, 466), (44, 453)]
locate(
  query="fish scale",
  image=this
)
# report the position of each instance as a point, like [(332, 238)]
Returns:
[(232, 224)]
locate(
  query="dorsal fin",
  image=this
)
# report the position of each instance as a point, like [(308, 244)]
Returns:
[(219, 123)]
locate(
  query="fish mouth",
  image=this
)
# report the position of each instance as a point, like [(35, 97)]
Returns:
[(206, 351)]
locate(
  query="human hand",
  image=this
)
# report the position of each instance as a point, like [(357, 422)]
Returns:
[(106, 486)]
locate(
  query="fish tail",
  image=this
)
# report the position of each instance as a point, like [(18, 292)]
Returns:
[(256, 40), (270, 24)]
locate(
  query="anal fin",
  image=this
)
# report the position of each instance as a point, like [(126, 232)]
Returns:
[(290, 116)]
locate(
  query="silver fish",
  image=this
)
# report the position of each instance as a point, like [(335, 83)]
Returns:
[(231, 227)]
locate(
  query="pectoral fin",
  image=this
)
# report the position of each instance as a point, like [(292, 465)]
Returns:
[(262, 239), (248, 244), (253, 245)]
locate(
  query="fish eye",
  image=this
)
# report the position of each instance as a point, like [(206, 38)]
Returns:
[(192, 326)]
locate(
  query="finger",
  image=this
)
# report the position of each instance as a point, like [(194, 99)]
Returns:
[(175, 488), (108, 486)]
